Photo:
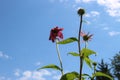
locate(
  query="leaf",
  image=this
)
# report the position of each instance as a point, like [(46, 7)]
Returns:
[(101, 74), (87, 52), (86, 75), (88, 61), (70, 76), (52, 66), (68, 40), (73, 53)]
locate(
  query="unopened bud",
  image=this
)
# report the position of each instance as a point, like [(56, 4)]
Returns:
[(94, 63), (81, 12)]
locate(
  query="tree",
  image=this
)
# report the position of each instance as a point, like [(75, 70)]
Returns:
[(115, 63), (103, 67)]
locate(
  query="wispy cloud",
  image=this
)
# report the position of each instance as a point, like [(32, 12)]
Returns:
[(114, 33), (36, 75), (32, 75), (92, 14), (17, 72), (111, 6), (3, 55)]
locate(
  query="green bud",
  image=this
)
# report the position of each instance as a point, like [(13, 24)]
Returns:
[(81, 12), (94, 63)]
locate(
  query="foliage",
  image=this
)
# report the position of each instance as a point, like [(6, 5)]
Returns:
[(115, 63), (103, 67), (70, 76), (83, 53)]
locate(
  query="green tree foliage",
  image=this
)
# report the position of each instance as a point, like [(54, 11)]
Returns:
[(103, 67), (115, 63)]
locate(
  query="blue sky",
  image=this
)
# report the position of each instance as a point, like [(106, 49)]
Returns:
[(24, 32)]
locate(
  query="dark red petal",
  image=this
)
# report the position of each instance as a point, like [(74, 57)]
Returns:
[(60, 35)]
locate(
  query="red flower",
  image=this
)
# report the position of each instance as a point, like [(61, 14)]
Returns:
[(56, 33), (86, 37)]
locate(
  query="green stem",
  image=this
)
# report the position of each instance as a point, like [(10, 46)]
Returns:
[(94, 69), (79, 48), (58, 53), (86, 44)]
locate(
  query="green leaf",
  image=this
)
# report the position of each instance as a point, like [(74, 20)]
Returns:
[(70, 76), (73, 53), (101, 74), (88, 61), (68, 40), (84, 76), (52, 66), (87, 52)]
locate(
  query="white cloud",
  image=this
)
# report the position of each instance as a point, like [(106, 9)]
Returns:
[(111, 6), (92, 14), (95, 13), (17, 72), (32, 75), (114, 33), (2, 55)]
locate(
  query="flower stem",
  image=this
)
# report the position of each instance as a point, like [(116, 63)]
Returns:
[(60, 60), (79, 48)]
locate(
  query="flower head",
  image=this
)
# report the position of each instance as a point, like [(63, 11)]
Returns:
[(86, 37), (56, 33)]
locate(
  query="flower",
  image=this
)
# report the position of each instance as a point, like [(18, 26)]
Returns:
[(56, 33), (86, 37)]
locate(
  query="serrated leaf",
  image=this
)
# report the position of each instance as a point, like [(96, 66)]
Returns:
[(88, 61), (51, 66), (70, 76), (73, 53), (68, 40), (87, 52), (101, 74)]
